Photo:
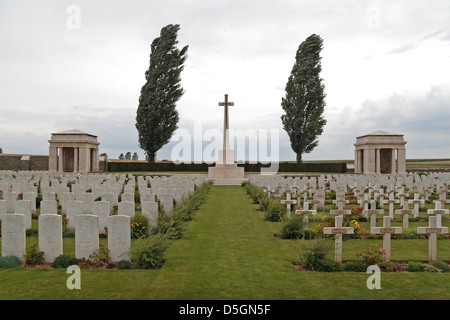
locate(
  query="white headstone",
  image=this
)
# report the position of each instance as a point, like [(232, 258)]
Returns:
[(13, 235), (119, 238), (86, 235), (74, 208), (150, 210), (102, 210), (49, 207), (50, 236), (126, 208)]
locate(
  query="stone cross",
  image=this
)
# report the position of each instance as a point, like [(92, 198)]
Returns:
[(315, 201), (391, 203), (338, 231), (269, 191), (288, 203), (438, 211), (432, 230), (365, 202), (373, 216), (405, 212), (402, 197), (386, 231), (306, 213), (226, 125), (340, 210), (416, 201)]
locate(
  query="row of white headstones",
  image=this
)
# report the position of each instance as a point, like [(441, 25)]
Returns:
[(434, 228), (89, 218)]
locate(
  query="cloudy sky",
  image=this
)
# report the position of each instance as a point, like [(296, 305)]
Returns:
[(80, 65)]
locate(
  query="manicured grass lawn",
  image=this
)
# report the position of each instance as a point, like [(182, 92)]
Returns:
[(229, 252)]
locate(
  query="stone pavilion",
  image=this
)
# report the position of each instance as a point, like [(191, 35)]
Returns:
[(73, 151), (380, 152)]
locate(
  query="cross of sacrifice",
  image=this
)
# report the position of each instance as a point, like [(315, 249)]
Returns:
[(306, 213), (226, 125), (391, 201), (438, 211), (288, 203), (432, 230), (416, 201), (386, 231), (405, 212), (338, 230)]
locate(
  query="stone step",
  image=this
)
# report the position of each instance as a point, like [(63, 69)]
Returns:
[(228, 182)]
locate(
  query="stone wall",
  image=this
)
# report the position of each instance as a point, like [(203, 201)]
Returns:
[(23, 162), (27, 162)]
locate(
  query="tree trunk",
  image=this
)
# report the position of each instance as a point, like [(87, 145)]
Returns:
[(299, 158), (151, 157)]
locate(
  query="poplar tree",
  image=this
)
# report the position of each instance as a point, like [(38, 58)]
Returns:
[(304, 101), (157, 117)]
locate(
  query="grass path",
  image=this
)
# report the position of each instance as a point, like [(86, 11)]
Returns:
[(228, 252)]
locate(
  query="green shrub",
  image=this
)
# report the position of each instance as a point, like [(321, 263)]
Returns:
[(64, 261), (124, 264), (275, 211), (328, 265), (33, 256), (431, 268), (414, 266), (151, 252), (263, 203), (139, 226), (355, 266), (314, 252), (370, 256), (32, 232), (388, 266), (292, 228), (171, 227), (441, 265), (9, 262)]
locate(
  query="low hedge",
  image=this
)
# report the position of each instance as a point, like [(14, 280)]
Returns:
[(202, 167)]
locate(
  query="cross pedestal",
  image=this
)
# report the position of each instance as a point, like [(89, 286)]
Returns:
[(432, 230), (386, 231), (338, 231)]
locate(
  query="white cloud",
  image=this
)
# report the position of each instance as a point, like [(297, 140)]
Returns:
[(56, 79)]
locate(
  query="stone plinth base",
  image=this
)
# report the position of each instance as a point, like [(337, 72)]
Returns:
[(229, 174)]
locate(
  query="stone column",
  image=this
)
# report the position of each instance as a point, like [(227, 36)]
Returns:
[(75, 159), (393, 163), (84, 159), (53, 159), (356, 164), (401, 160), (378, 167), (60, 159)]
